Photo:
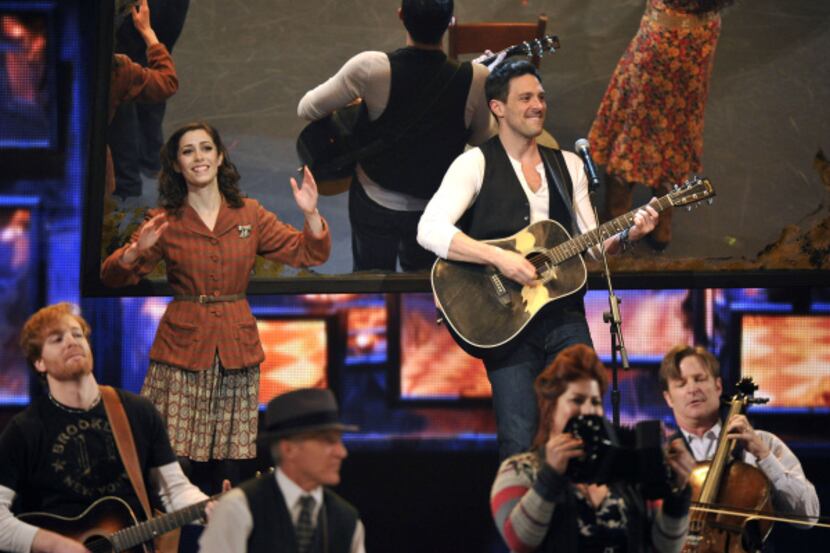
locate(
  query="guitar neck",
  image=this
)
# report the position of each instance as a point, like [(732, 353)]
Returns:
[(535, 47), (143, 532), (581, 243)]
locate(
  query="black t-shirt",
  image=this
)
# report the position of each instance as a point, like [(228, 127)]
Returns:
[(60, 461)]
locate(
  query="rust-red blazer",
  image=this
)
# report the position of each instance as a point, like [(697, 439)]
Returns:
[(218, 262)]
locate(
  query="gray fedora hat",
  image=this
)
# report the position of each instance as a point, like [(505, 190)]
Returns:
[(303, 410)]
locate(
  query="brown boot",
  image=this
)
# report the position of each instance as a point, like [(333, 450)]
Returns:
[(660, 237), (617, 197)]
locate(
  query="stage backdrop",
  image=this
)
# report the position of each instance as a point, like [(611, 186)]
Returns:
[(244, 67)]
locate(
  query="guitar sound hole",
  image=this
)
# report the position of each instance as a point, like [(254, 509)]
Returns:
[(541, 262)]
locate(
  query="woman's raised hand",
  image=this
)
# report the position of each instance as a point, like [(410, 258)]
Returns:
[(148, 235), (306, 197)]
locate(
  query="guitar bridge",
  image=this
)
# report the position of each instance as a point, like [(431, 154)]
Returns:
[(501, 290)]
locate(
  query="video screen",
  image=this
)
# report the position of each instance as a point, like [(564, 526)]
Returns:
[(18, 279), (768, 173), (433, 366), (296, 356), (653, 321), (27, 91), (788, 357)]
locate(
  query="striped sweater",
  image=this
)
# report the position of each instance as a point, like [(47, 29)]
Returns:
[(528, 498)]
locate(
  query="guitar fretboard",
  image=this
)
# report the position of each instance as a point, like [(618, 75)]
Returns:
[(579, 244), (146, 531)]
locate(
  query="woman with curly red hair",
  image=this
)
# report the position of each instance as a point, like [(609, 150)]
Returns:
[(537, 507)]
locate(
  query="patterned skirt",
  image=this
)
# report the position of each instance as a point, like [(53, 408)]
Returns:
[(649, 125), (210, 414)]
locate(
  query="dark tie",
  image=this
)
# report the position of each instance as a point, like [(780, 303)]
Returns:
[(304, 529)]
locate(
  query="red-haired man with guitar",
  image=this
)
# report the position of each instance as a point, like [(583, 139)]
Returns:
[(61, 459)]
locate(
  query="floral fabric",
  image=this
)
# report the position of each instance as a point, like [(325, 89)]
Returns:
[(649, 126)]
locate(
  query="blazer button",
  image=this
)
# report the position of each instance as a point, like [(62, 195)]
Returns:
[(214, 257), (214, 241), (216, 293)]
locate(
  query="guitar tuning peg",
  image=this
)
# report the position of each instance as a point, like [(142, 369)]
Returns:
[(710, 201), (676, 187), (688, 208)]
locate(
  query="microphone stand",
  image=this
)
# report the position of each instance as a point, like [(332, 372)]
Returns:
[(612, 318)]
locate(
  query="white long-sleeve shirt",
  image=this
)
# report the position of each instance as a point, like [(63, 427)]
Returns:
[(174, 489), (368, 75), (462, 184), (792, 493)]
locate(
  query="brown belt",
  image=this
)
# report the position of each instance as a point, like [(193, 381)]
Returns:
[(674, 21), (204, 298)]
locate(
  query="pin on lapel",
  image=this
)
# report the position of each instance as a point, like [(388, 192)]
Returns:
[(244, 230)]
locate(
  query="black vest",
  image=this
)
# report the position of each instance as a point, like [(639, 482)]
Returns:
[(273, 530), (415, 163), (501, 208)]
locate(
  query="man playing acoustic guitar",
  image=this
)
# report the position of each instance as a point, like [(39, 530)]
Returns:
[(496, 190), (60, 454), (423, 108)]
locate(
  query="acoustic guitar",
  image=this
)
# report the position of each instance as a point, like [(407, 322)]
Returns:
[(486, 310), (110, 526), (332, 146)]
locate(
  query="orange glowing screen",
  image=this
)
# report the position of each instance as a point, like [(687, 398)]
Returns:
[(653, 321), (296, 356), (789, 358), (432, 364)]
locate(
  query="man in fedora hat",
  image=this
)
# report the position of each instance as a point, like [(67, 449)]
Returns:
[(291, 509)]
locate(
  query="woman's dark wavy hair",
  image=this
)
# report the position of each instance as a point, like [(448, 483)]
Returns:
[(172, 187)]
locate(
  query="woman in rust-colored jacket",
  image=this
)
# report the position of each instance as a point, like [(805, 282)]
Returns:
[(204, 362)]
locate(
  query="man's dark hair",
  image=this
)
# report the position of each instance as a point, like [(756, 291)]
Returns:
[(497, 85), (426, 20)]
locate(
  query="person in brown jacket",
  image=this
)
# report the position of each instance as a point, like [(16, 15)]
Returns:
[(204, 362), (132, 82)]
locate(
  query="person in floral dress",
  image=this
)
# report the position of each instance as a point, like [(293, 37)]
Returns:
[(649, 126)]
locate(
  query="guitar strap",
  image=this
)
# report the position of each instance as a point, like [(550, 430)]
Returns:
[(123, 434), (560, 186)]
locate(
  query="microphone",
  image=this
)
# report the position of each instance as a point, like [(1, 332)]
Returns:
[(583, 149)]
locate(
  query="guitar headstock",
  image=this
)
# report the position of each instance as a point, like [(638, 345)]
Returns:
[(536, 47), (694, 190)]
